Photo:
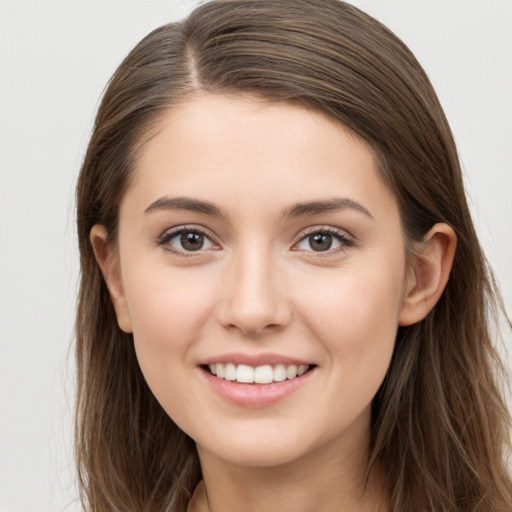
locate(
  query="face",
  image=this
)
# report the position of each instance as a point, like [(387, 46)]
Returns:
[(257, 242)]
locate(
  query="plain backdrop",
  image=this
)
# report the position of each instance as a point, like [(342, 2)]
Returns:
[(55, 58)]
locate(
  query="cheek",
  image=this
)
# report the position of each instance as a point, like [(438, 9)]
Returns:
[(355, 303), (356, 327), (356, 322), (168, 310), (166, 306), (168, 315)]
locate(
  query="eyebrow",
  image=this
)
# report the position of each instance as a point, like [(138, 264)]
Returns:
[(319, 207), (184, 203), (308, 209)]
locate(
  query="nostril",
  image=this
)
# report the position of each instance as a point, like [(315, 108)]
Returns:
[(253, 302), (252, 327)]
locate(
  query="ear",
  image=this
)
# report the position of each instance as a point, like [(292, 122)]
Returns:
[(430, 267), (108, 262)]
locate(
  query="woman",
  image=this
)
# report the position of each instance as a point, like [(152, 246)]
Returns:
[(283, 305)]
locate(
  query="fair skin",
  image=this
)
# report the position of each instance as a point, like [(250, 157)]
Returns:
[(262, 235)]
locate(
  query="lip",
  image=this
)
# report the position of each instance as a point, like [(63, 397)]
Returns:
[(254, 359), (256, 395)]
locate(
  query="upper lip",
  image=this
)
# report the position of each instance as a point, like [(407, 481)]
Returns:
[(254, 360)]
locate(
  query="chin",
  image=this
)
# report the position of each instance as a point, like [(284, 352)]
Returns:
[(257, 450), (258, 457)]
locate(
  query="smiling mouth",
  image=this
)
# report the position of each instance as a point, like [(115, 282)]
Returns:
[(266, 374)]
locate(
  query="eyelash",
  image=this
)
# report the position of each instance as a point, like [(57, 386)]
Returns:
[(345, 241), (173, 233)]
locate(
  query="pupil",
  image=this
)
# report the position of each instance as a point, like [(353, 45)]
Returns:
[(192, 241), (320, 242)]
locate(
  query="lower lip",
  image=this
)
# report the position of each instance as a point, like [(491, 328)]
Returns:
[(256, 395)]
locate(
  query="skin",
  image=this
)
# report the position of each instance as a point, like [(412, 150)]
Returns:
[(258, 285)]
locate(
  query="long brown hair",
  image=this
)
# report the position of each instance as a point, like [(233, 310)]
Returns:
[(440, 427)]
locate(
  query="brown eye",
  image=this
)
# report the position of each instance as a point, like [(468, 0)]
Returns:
[(324, 240), (191, 241), (186, 241), (320, 241)]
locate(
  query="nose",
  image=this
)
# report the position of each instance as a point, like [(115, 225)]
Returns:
[(254, 296)]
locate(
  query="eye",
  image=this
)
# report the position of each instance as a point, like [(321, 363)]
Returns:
[(186, 240), (324, 240)]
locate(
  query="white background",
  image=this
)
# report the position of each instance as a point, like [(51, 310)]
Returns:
[(55, 58)]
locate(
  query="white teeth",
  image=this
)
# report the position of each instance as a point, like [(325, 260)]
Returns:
[(291, 371), (263, 374), (244, 373), (302, 369), (260, 375), (279, 373), (230, 372)]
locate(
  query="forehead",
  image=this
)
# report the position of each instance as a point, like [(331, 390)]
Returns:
[(226, 148)]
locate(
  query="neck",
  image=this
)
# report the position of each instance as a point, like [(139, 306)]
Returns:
[(320, 480)]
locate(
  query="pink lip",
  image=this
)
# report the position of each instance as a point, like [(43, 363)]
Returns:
[(255, 395), (254, 359)]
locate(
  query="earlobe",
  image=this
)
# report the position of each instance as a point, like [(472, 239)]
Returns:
[(429, 271), (109, 265)]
